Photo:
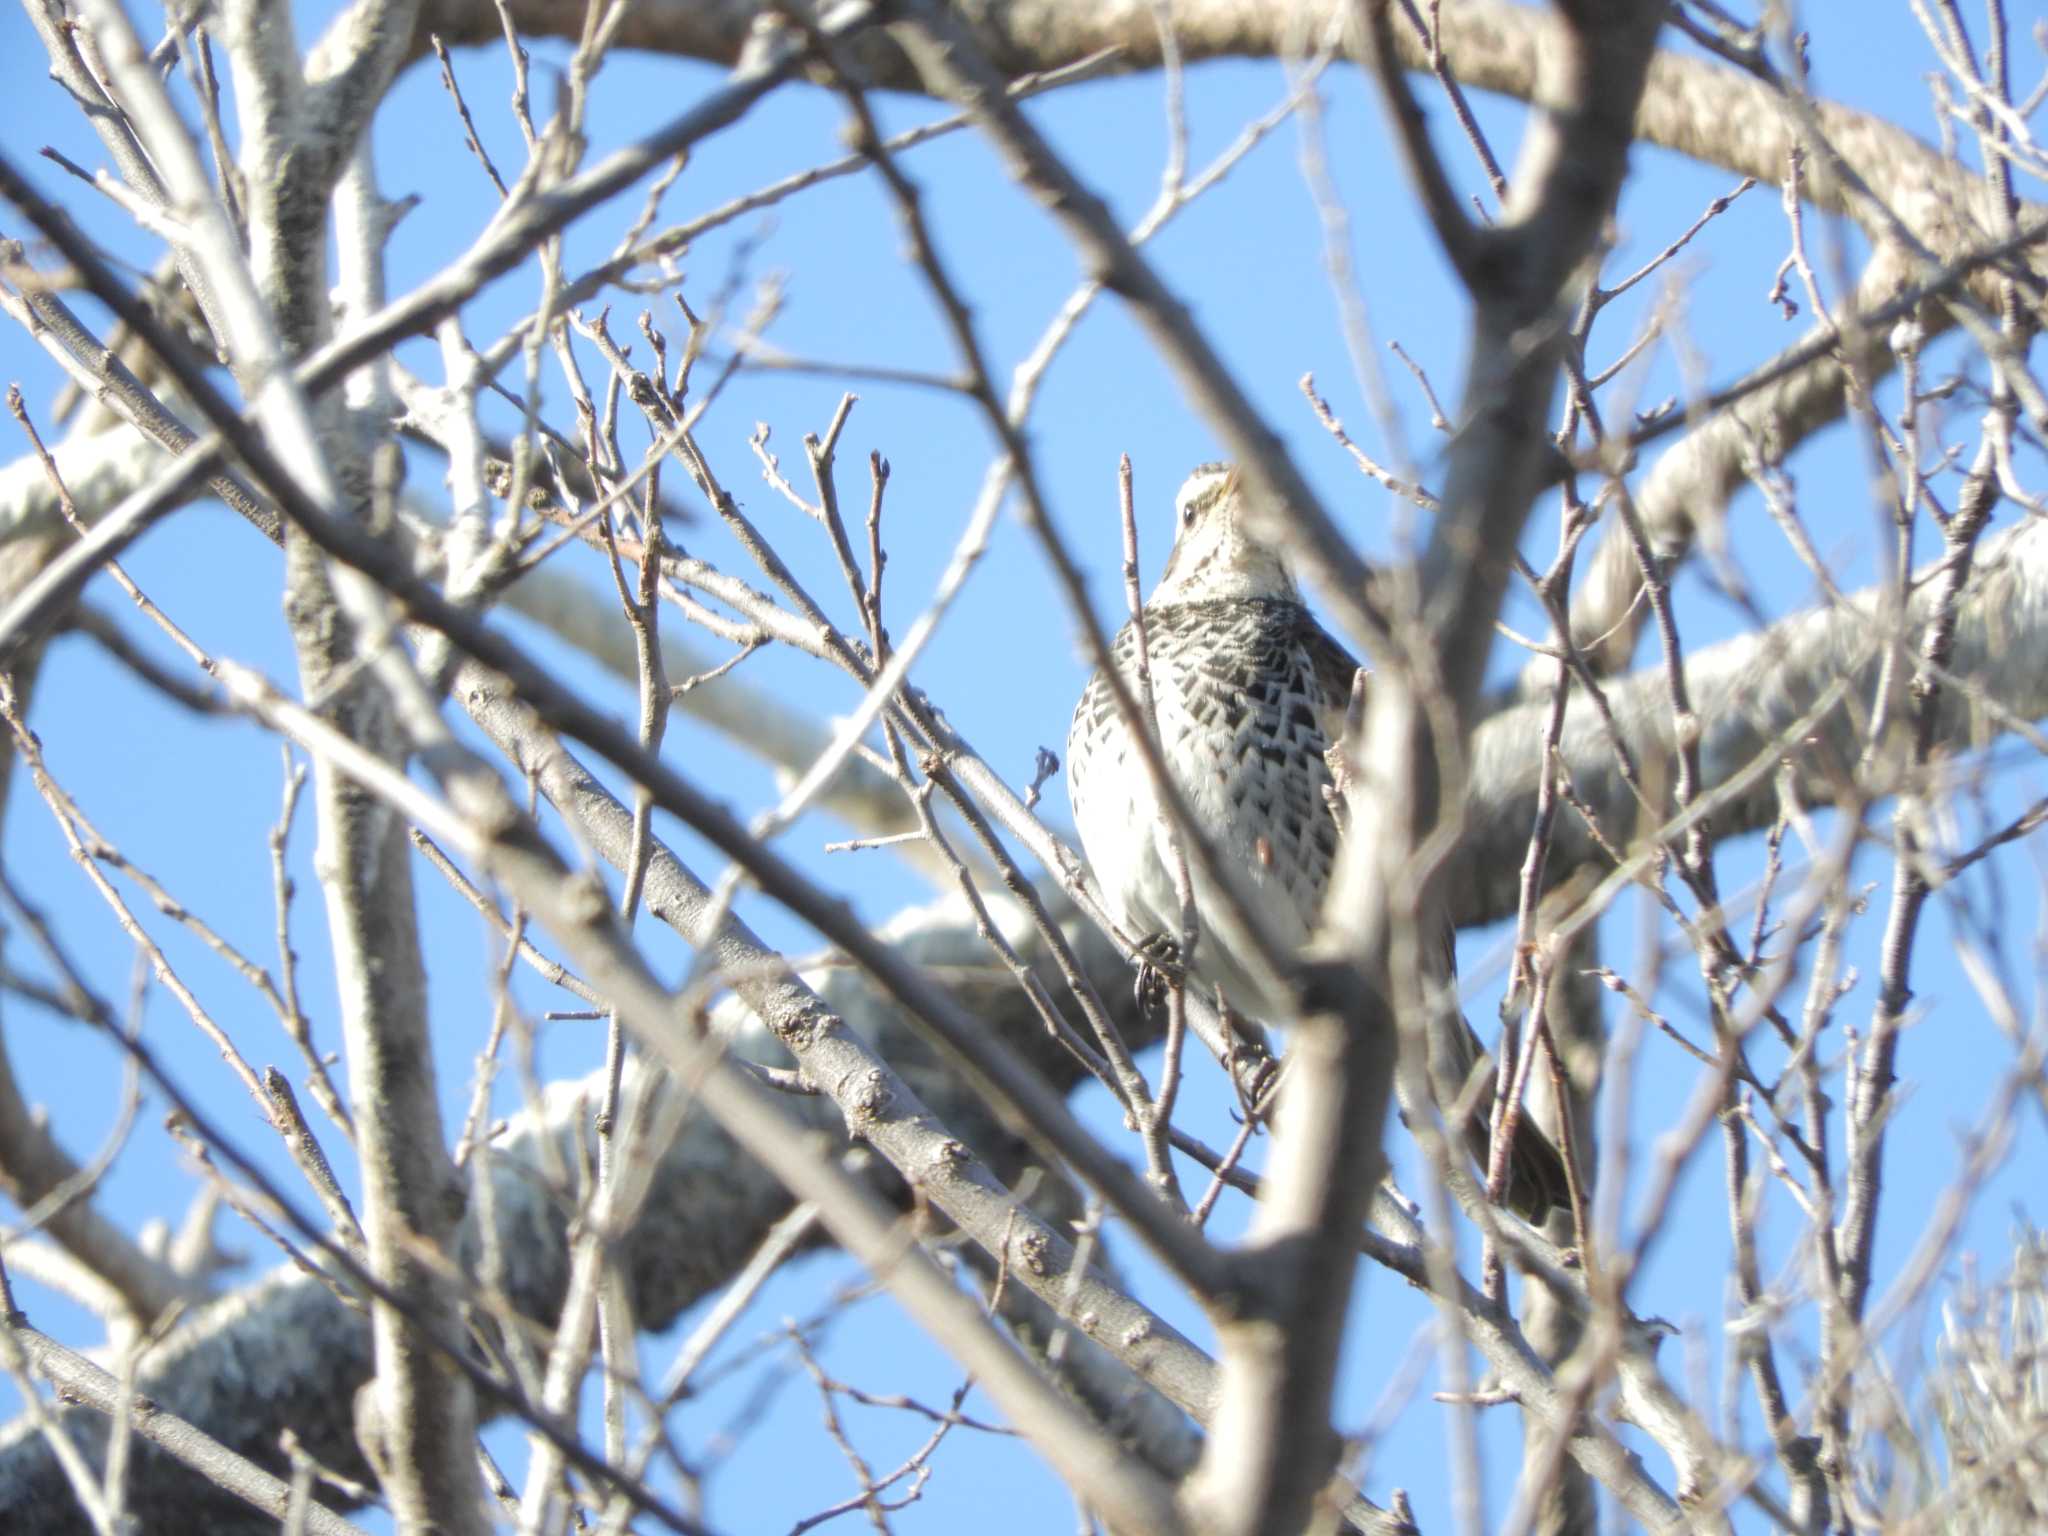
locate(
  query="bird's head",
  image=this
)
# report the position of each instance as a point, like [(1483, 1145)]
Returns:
[(1215, 555)]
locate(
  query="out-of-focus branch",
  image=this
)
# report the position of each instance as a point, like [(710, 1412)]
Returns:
[(1271, 1443)]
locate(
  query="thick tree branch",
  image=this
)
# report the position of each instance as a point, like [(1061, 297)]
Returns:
[(1700, 108), (1799, 695)]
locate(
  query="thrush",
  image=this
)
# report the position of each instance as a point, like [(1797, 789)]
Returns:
[(1249, 692)]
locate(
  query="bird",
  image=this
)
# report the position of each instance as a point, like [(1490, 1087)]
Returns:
[(1249, 693)]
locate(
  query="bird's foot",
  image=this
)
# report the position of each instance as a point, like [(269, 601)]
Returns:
[(1159, 969), (1254, 1070)]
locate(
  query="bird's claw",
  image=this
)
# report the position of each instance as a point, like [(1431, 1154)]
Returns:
[(1159, 969), (1252, 1066), (1254, 1071)]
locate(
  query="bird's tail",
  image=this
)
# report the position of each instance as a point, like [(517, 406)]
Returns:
[(1462, 1076)]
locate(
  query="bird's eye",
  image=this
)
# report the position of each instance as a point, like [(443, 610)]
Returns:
[(1187, 515)]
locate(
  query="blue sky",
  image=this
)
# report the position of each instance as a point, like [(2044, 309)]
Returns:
[(191, 800)]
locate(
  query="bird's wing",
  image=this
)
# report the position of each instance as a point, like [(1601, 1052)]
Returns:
[(1334, 668)]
